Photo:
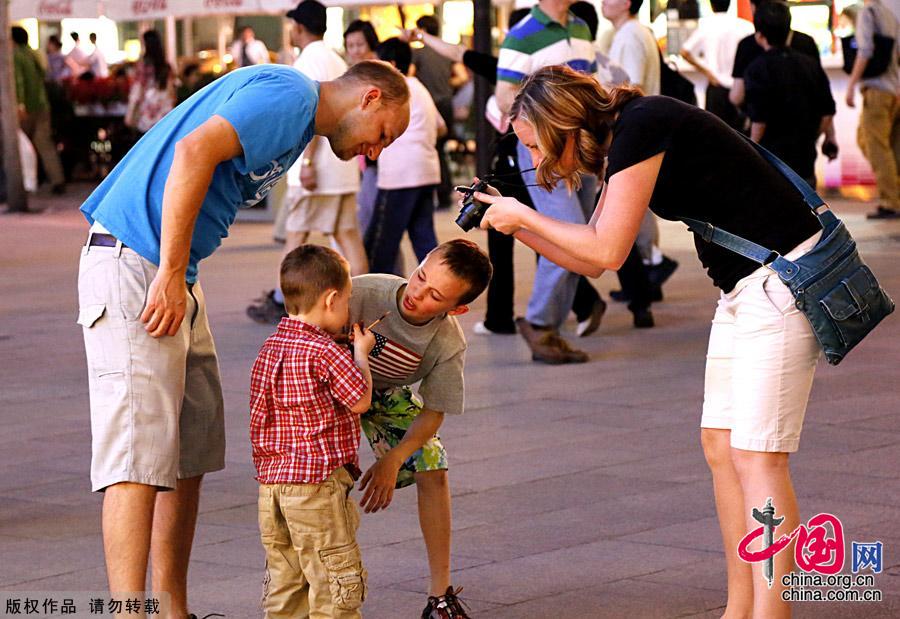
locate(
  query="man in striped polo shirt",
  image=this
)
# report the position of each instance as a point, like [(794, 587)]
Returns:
[(550, 35)]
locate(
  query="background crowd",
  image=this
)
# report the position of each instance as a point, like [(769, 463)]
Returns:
[(762, 78)]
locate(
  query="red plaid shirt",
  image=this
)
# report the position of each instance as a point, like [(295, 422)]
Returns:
[(302, 386)]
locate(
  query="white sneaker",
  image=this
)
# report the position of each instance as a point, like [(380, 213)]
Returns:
[(480, 329)]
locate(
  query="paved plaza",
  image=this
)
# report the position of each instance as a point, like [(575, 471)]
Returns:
[(578, 491)]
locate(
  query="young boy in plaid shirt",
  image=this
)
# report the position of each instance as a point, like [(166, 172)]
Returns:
[(306, 395)]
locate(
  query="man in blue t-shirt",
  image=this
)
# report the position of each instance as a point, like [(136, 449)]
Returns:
[(156, 400)]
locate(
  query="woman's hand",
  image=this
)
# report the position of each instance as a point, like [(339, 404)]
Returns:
[(505, 215)]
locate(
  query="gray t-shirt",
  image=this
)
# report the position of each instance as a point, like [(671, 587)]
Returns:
[(877, 18), (404, 353)]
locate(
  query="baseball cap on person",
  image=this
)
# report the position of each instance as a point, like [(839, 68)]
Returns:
[(308, 12)]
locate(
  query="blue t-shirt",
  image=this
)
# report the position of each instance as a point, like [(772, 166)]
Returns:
[(272, 108)]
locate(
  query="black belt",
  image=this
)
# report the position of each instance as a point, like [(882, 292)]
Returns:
[(98, 239)]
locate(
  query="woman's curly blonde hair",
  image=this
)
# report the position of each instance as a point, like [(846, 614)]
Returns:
[(559, 101)]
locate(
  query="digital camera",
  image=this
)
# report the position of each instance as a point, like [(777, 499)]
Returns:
[(472, 211)]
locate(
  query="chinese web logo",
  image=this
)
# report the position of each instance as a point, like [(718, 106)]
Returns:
[(820, 545)]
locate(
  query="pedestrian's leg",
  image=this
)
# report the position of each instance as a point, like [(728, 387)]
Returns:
[(292, 240), (421, 223), (765, 475), (174, 521), (501, 290), (876, 125), (895, 143), (648, 236), (732, 519), (586, 296), (42, 138), (347, 237), (127, 522), (351, 248), (382, 240), (554, 287), (433, 490), (636, 286)]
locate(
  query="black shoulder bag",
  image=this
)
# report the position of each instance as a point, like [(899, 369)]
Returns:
[(881, 57)]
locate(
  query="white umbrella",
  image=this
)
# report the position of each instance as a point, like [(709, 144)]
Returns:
[(55, 10)]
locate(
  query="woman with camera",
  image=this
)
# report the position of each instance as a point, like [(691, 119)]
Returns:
[(681, 161)]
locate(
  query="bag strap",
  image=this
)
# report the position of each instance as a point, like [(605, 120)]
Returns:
[(812, 199), (737, 244), (749, 249)]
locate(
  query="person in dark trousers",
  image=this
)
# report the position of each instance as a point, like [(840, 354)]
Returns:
[(749, 50), (788, 98), (500, 313)]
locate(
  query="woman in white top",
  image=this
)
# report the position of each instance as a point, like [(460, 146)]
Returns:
[(408, 173)]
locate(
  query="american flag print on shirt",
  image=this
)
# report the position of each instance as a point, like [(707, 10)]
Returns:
[(391, 360)]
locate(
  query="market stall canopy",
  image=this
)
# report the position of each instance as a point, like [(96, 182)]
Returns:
[(137, 10), (54, 10)]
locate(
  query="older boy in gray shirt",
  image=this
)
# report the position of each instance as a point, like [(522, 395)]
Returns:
[(419, 339)]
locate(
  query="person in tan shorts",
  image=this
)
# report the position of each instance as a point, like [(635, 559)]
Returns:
[(306, 395), (322, 189)]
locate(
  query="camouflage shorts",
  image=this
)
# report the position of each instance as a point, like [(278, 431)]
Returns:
[(393, 411)]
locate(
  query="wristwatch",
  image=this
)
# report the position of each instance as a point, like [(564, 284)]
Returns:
[(306, 161)]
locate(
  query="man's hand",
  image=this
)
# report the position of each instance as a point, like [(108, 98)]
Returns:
[(166, 303), (308, 177), (851, 95), (378, 483)]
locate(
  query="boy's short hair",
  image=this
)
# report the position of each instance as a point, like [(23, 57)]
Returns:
[(720, 6), (396, 51), (308, 272), (469, 263), (635, 6), (773, 21)]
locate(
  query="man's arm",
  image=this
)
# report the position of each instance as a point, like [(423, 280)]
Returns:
[(505, 93), (757, 131), (512, 68), (859, 67), (195, 161), (865, 39), (379, 481), (308, 176), (737, 93), (700, 67)]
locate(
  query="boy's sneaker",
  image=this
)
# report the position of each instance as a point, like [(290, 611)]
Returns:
[(447, 606), (267, 311)]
